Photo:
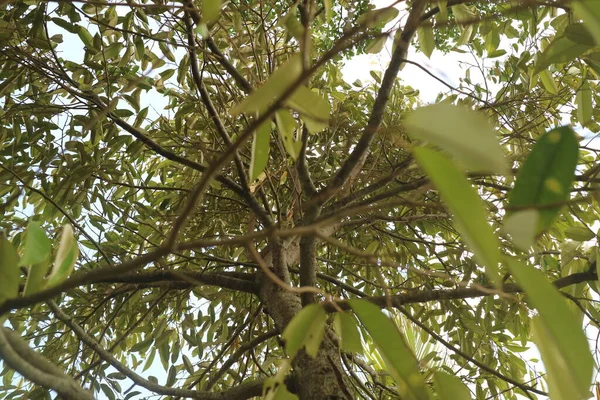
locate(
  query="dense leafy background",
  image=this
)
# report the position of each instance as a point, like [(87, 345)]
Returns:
[(109, 122)]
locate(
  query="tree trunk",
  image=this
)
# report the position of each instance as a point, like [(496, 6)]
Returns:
[(321, 378)]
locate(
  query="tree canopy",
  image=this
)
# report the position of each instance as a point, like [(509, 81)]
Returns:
[(197, 204)]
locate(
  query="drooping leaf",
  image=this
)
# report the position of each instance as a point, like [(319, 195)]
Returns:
[(585, 109), (548, 81), (426, 39), (37, 245), (348, 333), (286, 125), (565, 48), (466, 206), (399, 359), (558, 335), (272, 89), (450, 387), (546, 176), (464, 133), (261, 146), (85, 37), (589, 12), (66, 256), (376, 45), (579, 233), (9, 270), (35, 277), (313, 108), (306, 329), (380, 16), (210, 10), (522, 227)]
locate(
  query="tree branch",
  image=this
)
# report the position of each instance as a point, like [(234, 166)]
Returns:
[(241, 392), (43, 373), (423, 296), (357, 158)]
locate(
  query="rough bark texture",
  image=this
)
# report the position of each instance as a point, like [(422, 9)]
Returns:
[(320, 378)]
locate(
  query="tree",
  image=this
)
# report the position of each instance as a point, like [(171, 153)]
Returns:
[(197, 205)]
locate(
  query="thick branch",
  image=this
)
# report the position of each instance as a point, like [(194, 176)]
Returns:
[(358, 156), (194, 278), (423, 296), (214, 115), (40, 374)]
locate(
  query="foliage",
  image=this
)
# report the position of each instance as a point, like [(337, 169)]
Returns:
[(196, 204)]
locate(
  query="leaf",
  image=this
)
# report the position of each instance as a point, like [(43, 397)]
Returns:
[(548, 81), (380, 16), (348, 333), (210, 10), (558, 335), (585, 109), (579, 233), (286, 125), (466, 206), (546, 176), (376, 45), (521, 226), (272, 89), (400, 361), (306, 329), (9, 270), (261, 146), (65, 259), (464, 133), (314, 109), (37, 245), (426, 39), (561, 50), (465, 36), (450, 387), (35, 277), (85, 37), (589, 12)]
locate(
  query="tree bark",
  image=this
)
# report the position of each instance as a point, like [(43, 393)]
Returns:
[(321, 378)]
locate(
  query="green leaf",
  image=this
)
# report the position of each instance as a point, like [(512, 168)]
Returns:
[(210, 10), (286, 125), (464, 133), (560, 51), (380, 16), (522, 227), (37, 245), (272, 89), (347, 330), (261, 146), (548, 81), (314, 109), (466, 206), (376, 45), (85, 37), (9, 270), (400, 361), (558, 335), (579, 233), (66, 256), (585, 109), (306, 329), (546, 176), (35, 277), (426, 39), (450, 387), (589, 12)]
